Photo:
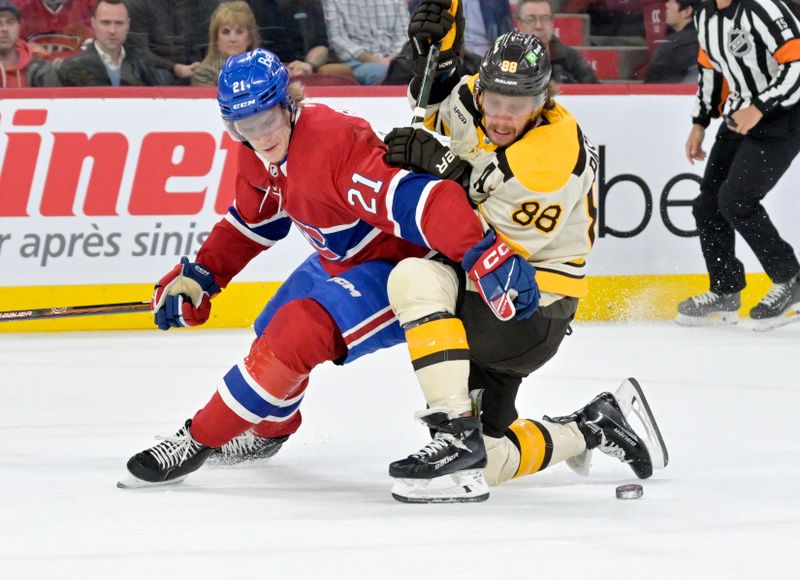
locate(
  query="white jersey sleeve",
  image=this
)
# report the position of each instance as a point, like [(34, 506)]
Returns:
[(539, 193)]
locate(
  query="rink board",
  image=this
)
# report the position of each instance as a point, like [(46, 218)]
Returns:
[(100, 196)]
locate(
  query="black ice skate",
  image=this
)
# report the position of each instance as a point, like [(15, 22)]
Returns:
[(246, 447), (448, 469), (168, 462), (709, 309), (605, 426), (780, 306)]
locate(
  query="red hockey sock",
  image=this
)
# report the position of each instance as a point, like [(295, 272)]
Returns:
[(300, 336), (216, 424), (272, 429)]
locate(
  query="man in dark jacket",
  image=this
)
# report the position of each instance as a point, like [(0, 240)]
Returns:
[(675, 57), (109, 59), (19, 67), (173, 30), (535, 17)]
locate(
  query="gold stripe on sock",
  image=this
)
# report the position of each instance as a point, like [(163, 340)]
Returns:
[(535, 446), (436, 336)]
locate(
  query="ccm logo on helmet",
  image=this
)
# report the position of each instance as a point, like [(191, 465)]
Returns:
[(245, 104)]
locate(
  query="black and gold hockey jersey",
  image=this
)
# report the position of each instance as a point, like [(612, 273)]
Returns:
[(538, 193)]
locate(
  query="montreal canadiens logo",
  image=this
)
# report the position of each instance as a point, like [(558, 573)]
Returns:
[(739, 42)]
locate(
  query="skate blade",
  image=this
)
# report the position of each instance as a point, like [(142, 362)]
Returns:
[(468, 486), (788, 317), (132, 482), (713, 319), (631, 399)]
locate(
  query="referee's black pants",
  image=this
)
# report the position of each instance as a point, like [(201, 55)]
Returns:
[(740, 171)]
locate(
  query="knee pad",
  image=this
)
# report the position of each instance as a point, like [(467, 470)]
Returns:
[(418, 288), (271, 373)]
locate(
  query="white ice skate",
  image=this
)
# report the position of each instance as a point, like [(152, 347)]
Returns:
[(458, 487)]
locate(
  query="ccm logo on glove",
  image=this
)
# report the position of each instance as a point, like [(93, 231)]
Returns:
[(505, 280), (492, 259)]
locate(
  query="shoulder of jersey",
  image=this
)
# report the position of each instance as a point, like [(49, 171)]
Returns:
[(545, 158), (328, 127)]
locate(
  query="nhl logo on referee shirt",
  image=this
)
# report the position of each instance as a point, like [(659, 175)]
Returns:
[(739, 42)]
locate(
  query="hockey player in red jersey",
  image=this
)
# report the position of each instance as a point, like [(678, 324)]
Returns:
[(324, 172)]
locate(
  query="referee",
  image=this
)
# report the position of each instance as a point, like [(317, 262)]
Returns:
[(750, 73)]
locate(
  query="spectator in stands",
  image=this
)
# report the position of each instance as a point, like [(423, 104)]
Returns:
[(610, 17), (295, 31), (366, 35), (535, 17), (19, 67), (109, 60), (232, 31), (675, 57), (174, 30), (56, 29), (485, 20)]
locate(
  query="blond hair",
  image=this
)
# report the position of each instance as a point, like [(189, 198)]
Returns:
[(230, 14), (296, 92)]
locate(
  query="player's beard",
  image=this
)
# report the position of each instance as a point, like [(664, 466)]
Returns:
[(502, 134)]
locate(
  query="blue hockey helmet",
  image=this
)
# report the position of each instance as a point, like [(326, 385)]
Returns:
[(251, 83)]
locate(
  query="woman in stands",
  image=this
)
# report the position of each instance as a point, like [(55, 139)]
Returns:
[(232, 31)]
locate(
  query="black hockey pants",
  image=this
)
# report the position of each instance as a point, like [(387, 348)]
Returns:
[(504, 353), (740, 171)]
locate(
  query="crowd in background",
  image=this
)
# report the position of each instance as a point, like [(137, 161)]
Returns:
[(185, 42)]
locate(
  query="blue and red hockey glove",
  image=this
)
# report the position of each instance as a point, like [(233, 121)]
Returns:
[(183, 296), (505, 280)]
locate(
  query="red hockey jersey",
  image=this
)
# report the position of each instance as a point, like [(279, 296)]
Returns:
[(336, 188), (58, 26)]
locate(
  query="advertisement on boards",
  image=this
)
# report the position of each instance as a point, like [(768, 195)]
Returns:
[(98, 191)]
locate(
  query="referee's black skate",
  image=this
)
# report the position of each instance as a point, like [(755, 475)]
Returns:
[(246, 447), (449, 469), (168, 462), (780, 306), (709, 309), (605, 425)]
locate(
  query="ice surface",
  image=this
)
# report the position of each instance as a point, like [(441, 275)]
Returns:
[(75, 406)]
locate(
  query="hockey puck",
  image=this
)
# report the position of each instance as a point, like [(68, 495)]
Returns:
[(630, 491)]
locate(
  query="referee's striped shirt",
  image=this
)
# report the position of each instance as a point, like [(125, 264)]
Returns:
[(749, 55)]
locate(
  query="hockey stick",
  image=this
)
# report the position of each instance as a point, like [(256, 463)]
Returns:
[(73, 311), (425, 91)]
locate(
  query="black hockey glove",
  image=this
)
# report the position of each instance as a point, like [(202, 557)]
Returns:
[(430, 23), (419, 151)]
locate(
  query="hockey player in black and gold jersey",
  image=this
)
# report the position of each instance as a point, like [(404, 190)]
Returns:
[(530, 172)]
